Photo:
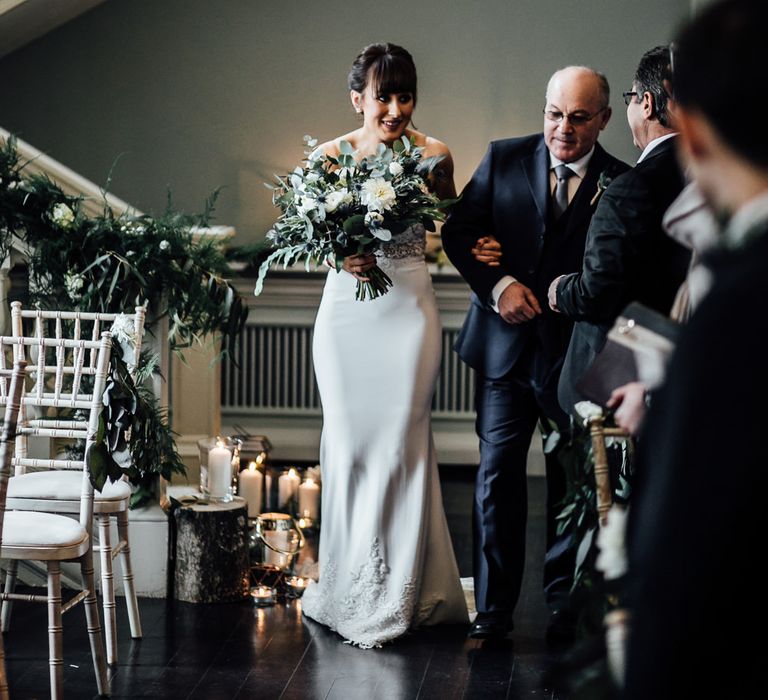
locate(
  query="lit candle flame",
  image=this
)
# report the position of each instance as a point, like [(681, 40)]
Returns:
[(252, 467)]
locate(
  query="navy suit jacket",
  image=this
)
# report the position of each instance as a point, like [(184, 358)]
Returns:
[(508, 197)]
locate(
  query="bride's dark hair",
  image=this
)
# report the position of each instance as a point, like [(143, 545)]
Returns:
[(387, 67)]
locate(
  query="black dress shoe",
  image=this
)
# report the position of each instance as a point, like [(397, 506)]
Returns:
[(491, 625), (561, 629)]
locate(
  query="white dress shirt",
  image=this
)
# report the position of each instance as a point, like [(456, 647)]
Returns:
[(579, 168)]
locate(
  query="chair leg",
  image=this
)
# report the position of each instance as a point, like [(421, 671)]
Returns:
[(55, 654), (10, 587), (108, 588), (3, 676), (92, 621), (130, 589)]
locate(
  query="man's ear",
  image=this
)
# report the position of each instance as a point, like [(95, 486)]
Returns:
[(649, 105), (606, 117), (693, 134)]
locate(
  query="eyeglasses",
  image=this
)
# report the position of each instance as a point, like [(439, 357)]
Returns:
[(628, 96), (576, 119)]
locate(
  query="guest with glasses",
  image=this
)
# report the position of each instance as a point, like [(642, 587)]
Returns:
[(533, 197), (628, 256)]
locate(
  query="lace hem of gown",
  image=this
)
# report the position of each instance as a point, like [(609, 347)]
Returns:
[(364, 613), (408, 245)]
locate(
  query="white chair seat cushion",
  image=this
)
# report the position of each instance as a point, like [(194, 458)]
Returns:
[(23, 528), (61, 485)]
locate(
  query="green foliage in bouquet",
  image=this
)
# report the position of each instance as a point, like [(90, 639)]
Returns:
[(335, 207), (110, 263)]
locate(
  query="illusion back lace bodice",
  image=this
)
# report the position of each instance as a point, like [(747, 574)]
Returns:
[(408, 245)]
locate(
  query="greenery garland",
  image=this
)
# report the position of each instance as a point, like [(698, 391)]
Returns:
[(110, 263)]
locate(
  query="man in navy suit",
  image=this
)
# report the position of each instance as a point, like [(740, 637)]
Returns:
[(534, 195)]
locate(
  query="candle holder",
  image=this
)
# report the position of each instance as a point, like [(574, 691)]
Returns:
[(277, 540), (263, 596), (219, 464), (295, 586)]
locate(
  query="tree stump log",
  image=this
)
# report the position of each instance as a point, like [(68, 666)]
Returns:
[(211, 563)]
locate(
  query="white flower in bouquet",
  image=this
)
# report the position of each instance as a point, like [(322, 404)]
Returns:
[(375, 222), (612, 558), (62, 216), (395, 169), (378, 194), (334, 199), (73, 283)]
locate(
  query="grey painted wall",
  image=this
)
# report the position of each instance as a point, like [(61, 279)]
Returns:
[(197, 94)]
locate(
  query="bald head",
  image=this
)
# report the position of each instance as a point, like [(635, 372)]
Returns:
[(577, 110), (586, 78)]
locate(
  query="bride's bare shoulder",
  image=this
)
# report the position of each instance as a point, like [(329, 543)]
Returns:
[(431, 145), (332, 148)]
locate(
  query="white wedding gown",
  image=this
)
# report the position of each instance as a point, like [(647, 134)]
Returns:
[(386, 563)]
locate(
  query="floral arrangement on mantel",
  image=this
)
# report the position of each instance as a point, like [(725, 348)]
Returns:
[(109, 264)]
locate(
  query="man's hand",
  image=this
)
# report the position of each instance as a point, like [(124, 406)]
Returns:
[(629, 402), (552, 293), (518, 304), (487, 250)]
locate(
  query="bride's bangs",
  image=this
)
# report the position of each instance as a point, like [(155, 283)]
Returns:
[(392, 75)]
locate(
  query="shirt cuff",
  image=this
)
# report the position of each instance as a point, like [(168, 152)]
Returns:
[(498, 289)]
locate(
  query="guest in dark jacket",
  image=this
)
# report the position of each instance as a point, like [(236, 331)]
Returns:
[(628, 256), (695, 545)]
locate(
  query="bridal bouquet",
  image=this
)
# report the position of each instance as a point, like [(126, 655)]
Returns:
[(335, 207)]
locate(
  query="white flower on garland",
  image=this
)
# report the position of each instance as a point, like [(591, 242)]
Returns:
[(73, 283), (612, 559), (333, 200), (123, 330), (395, 168), (378, 194), (164, 245), (62, 216)]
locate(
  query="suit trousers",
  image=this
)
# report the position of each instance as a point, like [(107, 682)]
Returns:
[(508, 410)]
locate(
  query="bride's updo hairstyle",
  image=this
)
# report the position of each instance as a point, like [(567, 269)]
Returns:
[(388, 68)]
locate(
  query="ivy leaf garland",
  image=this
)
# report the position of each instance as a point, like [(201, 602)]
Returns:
[(110, 263)]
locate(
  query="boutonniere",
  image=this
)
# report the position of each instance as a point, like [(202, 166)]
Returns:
[(602, 185)]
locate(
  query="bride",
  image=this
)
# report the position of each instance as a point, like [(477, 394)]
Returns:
[(386, 562)]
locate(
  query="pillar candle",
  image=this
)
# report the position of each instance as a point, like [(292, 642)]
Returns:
[(219, 471), (251, 481), (280, 540), (309, 500), (287, 486)]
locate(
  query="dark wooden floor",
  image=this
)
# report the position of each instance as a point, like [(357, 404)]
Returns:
[(207, 652)]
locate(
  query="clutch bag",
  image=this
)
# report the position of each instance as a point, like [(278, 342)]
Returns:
[(637, 348)]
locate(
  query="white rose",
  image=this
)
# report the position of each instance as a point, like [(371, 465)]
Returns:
[(334, 199), (164, 245), (311, 177), (62, 215), (612, 559), (377, 193), (123, 329), (395, 168)]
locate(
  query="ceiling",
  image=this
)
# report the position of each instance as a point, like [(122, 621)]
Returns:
[(22, 21)]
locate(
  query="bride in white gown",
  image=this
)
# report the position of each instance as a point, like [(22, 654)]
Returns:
[(386, 560)]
